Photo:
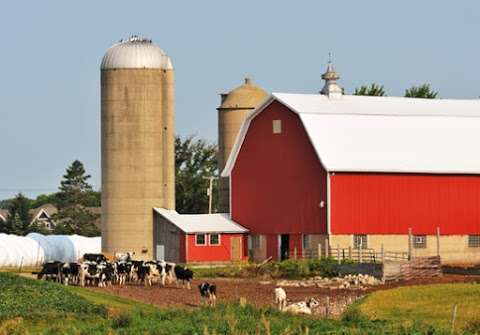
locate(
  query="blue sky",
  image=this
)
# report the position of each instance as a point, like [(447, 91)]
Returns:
[(51, 50)]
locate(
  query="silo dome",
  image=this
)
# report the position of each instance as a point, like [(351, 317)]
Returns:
[(244, 96), (136, 53)]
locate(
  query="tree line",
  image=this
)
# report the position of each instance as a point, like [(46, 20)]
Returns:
[(194, 159), (422, 91)]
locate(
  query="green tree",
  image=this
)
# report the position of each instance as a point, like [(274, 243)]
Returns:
[(19, 218), (422, 91), (194, 160), (73, 217), (372, 90)]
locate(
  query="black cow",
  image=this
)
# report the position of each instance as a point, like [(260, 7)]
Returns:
[(97, 258), (208, 291), (51, 271), (184, 275)]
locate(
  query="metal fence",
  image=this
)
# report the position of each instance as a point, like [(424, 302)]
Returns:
[(360, 255)]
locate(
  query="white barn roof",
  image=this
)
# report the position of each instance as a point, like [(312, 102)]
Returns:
[(384, 134), (201, 223)]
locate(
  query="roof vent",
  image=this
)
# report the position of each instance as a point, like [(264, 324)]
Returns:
[(331, 88)]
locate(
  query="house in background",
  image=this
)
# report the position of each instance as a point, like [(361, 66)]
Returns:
[(310, 172), (198, 238)]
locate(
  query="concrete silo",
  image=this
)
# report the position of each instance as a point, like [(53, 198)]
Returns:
[(234, 107), (138, 166)]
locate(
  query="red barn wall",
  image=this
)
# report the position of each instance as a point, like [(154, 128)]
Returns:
[(371, 203), (277, 182), (212, 253)]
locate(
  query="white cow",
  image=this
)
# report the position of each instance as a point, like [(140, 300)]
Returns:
[(302, 307), (280, 298)]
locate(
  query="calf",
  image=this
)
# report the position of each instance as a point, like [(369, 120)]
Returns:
[(280, 298), (123, 271), (303, 307), (208, 291), (184, 275)]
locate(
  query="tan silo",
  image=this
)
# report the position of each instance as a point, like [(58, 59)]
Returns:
[(138, 166), (233, 109)]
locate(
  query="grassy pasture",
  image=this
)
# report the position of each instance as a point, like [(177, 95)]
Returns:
[(32, 307), (431, 304)]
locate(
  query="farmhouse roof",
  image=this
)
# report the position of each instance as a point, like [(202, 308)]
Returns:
[(383, 134), (201, 223)]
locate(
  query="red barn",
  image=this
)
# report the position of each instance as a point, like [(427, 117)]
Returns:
[(310, 170), (198, 238)]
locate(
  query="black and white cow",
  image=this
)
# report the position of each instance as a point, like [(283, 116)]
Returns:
[(97, 258), (50, 271), (209, 292), (70, 273), (184, 275)]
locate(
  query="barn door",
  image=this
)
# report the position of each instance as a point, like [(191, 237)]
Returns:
[(160, 252), (236, 249)]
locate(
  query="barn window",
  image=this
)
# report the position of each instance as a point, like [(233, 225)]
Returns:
[(214, 239), (306, 241), (277, 126), (474, 241), (419, 241), (255, 241), (200, 239), (360, 241)]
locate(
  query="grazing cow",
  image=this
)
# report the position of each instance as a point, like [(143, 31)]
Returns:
[(51, 271), (96, 258), (184, 275), (70, 273), (208, 291), (280, 298), (303, 307)]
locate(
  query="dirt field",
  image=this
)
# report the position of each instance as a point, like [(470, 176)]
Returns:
[(256, 293)]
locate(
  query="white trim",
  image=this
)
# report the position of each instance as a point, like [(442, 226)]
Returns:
[(230, 197), (3, 218), (204, 239), (219, 239), (279, 247), (38, 216)]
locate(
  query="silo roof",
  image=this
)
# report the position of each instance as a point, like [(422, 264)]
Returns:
[(136, 53)]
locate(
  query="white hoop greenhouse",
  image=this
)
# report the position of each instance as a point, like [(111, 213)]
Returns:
[(36, 249)]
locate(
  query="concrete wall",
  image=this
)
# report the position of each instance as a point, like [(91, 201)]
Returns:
[(138, 168), (453, 248)]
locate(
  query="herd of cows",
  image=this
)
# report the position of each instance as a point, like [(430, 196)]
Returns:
[(96, 270)]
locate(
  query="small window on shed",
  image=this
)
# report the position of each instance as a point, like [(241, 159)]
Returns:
[(419, 241), (360, 241), (200, 239), (277, 126), (214, 239), (474, 241)]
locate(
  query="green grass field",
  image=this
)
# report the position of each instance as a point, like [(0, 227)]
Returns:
[(33, 307), (432, 304)]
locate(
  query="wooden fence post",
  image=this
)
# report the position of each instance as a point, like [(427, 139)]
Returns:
[(382, 254), (338, 253), (326, 248), (295, 253), (438, 241), (360, 253), (409, 243), (319, 250), (350, 252)]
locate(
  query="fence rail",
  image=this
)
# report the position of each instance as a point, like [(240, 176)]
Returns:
[(360, 255)]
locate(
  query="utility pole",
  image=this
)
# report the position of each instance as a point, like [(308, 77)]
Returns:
[(210, 192)]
